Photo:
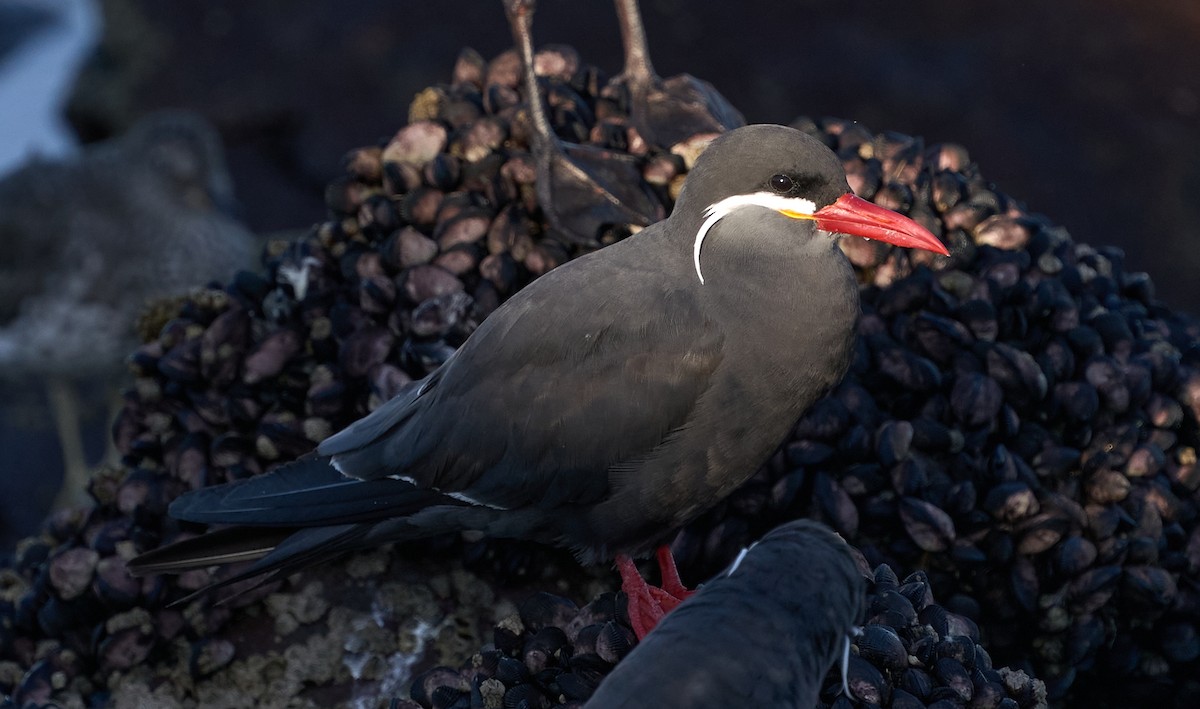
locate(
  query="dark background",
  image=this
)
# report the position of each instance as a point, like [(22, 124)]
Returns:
[(1086, 110)]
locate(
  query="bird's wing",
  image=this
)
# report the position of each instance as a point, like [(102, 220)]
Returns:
[(586, 371), (305, 492)]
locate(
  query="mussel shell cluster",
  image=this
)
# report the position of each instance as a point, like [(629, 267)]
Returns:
[(549, 654), (912, 653), (1019, 422)]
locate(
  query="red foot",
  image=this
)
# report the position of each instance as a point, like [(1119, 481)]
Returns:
[(647, 604)]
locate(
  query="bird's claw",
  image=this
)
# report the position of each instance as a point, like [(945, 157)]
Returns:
[(648, 604)]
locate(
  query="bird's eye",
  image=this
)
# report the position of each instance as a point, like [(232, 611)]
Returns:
[(781, 183)]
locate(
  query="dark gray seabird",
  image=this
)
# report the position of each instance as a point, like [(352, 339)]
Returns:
[(608, 403), (762, 634)]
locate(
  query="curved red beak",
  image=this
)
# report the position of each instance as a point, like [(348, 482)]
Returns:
[(856, 216)]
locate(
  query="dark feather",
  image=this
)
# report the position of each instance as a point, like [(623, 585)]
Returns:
[(298, 549), (305, 493), (514, 419), (223, 546), (784, 613), (392, 413), (303, 548), (279, 551)]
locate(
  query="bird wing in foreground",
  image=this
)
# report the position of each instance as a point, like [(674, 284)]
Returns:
[(783, 611)]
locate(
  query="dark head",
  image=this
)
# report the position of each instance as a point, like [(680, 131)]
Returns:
[(182, 155), (812, 562), (754, 171)]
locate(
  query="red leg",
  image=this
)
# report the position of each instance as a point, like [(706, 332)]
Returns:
[(648, 604), (670, 575), (644, 608)]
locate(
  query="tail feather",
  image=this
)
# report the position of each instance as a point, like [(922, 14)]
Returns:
[(306, 493), (292, 551), (307, 547), (223, 546), (299, 515), (303, 548)]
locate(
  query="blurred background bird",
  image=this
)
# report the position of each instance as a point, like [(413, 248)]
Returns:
[(89, 241)]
